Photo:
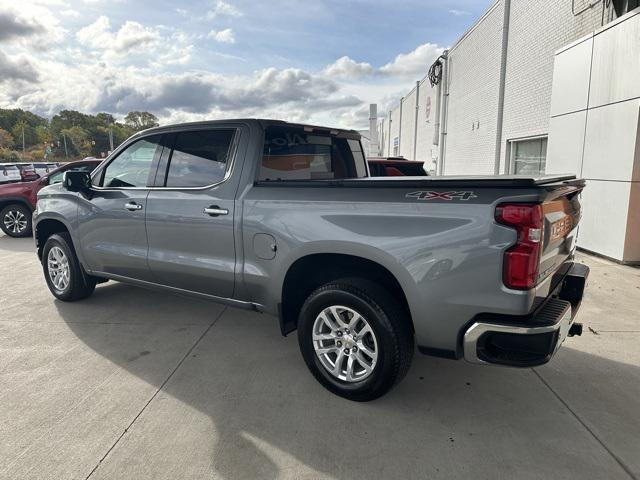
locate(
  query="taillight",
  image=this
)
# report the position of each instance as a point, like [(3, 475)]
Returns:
[(522, 260)]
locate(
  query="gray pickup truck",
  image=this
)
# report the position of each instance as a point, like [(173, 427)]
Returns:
[(284, 219)]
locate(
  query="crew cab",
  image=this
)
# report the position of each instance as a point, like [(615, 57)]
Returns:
[(18, 200), (284, 219)]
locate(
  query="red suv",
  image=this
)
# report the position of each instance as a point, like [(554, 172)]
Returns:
[(18, 200)]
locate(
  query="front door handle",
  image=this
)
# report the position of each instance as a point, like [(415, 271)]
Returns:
[(133, 206), (215, 210)]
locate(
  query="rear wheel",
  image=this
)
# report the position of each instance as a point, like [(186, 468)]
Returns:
[(65, 277), (355, 338), (15, 220)]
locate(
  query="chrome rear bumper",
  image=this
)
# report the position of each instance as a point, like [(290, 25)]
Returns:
[(530, 340)]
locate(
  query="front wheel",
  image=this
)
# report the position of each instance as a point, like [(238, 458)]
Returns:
[(355, 338), (64, 275)]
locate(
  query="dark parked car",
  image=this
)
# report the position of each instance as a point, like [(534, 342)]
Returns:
[(18, 200), (395, 167), (27, 172)]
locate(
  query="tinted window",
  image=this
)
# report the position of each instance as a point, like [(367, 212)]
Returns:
[(292, 154), (132, 166), (199, 158)]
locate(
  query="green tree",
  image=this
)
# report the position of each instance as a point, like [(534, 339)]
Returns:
[(140, 120), (6, 139)]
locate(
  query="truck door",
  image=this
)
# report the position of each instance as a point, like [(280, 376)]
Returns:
[(112, 219), (190, 213)]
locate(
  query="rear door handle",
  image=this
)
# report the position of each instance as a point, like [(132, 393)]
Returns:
[(133, 206), (215, 210)]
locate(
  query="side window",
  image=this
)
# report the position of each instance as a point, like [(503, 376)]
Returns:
[(199, 158), (131, 168)]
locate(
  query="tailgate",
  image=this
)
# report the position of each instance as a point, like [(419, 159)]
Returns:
[(561, 214)]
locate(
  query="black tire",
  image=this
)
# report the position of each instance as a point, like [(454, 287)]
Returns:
[(389, 322), (80, 285), (9, 224)]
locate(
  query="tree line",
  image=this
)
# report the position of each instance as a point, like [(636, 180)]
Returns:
[(25, 136)]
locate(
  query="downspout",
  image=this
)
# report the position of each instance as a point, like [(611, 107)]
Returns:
[(443, 112), (415, 126), (503, 75), (400, 129)]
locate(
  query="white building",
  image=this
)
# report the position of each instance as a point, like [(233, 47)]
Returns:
[(495, 114)]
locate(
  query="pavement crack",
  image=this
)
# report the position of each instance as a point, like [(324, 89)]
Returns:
[(158, 390), (617, 459)]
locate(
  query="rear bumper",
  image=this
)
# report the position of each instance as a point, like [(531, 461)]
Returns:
[(530, 340)]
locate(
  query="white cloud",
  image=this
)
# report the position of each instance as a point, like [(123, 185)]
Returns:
[(459, 13), (223, 8), (131, 37), (346, 67), (416, 62), (222, 36)]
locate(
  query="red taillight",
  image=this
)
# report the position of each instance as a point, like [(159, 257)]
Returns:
[(521, 261)]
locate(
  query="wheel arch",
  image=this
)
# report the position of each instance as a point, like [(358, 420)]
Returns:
[(46, 227), (6, 201), (310, 271)]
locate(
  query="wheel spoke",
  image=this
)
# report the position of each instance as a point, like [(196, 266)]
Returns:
[(365, 330), (336, 315), (327, 321), (365, 349), (325, 350), (337, 368), (363, 363), (318, 337), (355, 318), (350, 362)]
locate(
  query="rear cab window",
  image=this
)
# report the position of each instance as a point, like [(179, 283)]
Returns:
[(293, 153), (199, 158)]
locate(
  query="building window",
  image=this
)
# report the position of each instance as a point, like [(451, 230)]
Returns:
[(396, 146), (529, 156)]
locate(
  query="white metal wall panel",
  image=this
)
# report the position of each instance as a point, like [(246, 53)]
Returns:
[(566, 143), (616, 63), (603, 228), (571, 79), (611, 142)]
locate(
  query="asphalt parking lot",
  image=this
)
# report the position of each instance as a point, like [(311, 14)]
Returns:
[(138, 384)]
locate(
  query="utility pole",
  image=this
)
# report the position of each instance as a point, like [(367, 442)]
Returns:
[(66, 153), (110, 139), (23, 140)]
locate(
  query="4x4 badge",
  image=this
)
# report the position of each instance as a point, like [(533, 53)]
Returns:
[(431, 195)]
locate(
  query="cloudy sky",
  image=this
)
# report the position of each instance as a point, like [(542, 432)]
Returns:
[(320, 61)]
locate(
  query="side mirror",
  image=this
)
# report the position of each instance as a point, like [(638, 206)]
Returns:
[(76, 181)]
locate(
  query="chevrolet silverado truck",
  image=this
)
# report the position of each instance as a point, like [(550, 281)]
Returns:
[(284, 219)]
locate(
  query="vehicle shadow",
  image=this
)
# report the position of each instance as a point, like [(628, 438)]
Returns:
[(446, 419)]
